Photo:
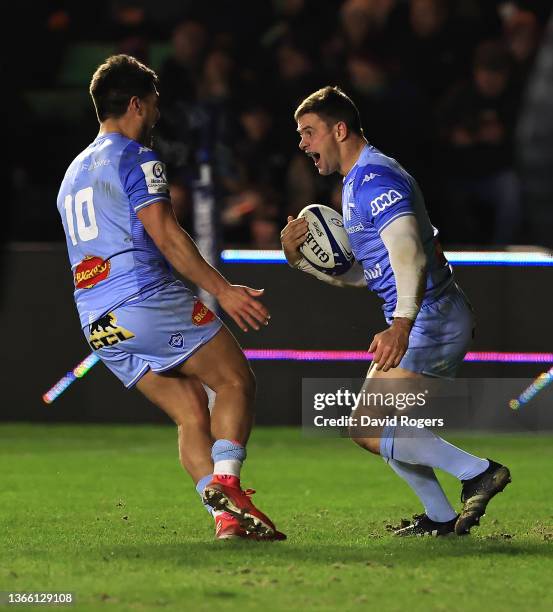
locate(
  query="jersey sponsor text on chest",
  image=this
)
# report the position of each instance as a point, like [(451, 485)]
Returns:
[(359, 227)]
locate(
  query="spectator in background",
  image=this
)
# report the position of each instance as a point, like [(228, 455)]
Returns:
[(131, 28), (476, 125), (522, 35), (293, 20), (255, 209), (364, 27), (535, 145), (301, 184), (181, 72), (294, 73), (434, 48), (395, 117), (175, 135), (365, 24), (217, 84), (265, 232), (262, 163), (218, 98), (397, 57)]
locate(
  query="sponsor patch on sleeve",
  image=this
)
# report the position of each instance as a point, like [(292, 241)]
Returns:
[(385, 200), (154, 173)]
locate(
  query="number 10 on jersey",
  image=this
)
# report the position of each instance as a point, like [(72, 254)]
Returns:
[(84, 198)]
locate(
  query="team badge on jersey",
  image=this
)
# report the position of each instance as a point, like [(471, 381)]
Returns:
[(154, 173), (105, 332), (176, 341), (201, 315), (91, 271)]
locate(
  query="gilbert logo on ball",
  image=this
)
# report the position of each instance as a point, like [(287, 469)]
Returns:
[(327, 246)]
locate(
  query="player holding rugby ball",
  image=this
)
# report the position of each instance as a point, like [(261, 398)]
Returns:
[(430, 320)]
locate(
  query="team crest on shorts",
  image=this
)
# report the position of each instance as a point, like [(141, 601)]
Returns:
[(201, 315), (176, 341), (105, 332)]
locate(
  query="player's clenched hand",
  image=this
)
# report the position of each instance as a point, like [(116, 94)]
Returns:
[(242, 305), (291, 237), (389, 346)]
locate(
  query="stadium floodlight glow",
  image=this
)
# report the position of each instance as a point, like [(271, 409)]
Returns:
[(458, 258)]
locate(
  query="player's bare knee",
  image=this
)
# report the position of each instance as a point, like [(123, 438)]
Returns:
[(192, 419), (252, 383), (249, 383), (241, 380)]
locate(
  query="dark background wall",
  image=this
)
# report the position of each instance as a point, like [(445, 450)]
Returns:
[(42, 339)]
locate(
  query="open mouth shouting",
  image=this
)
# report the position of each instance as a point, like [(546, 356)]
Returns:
[(315, 157)]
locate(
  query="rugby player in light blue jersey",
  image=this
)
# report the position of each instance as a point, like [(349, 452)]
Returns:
[(430, 322), (143, 323)]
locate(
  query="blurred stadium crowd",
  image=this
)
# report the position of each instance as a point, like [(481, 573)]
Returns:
[(439, 83)]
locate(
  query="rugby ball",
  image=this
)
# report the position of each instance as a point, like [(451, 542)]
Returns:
[(327, 246)]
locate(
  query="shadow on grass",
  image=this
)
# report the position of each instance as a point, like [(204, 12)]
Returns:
[(384, 552)]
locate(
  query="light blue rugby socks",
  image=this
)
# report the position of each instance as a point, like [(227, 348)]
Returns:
[(228, 456), (200, 486), (424, 483), (423, 447)]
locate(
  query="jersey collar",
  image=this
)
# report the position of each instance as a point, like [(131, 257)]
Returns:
[(350, 174)]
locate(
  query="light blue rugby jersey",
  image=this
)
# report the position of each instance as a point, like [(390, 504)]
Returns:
[(113, 259), (376, 191)]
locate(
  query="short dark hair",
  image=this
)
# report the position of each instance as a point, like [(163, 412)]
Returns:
[(332, 105), (116, 81)]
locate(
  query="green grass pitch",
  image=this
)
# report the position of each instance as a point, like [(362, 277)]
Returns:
[(107, 513)]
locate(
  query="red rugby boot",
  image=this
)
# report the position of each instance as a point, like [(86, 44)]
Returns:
[(223, 493), (227, 527)]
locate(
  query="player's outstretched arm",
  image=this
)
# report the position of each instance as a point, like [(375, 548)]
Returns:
[(408, 261), (293, 236), (179, 249)]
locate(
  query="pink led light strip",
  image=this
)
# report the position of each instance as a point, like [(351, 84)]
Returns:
[(303, 355)]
